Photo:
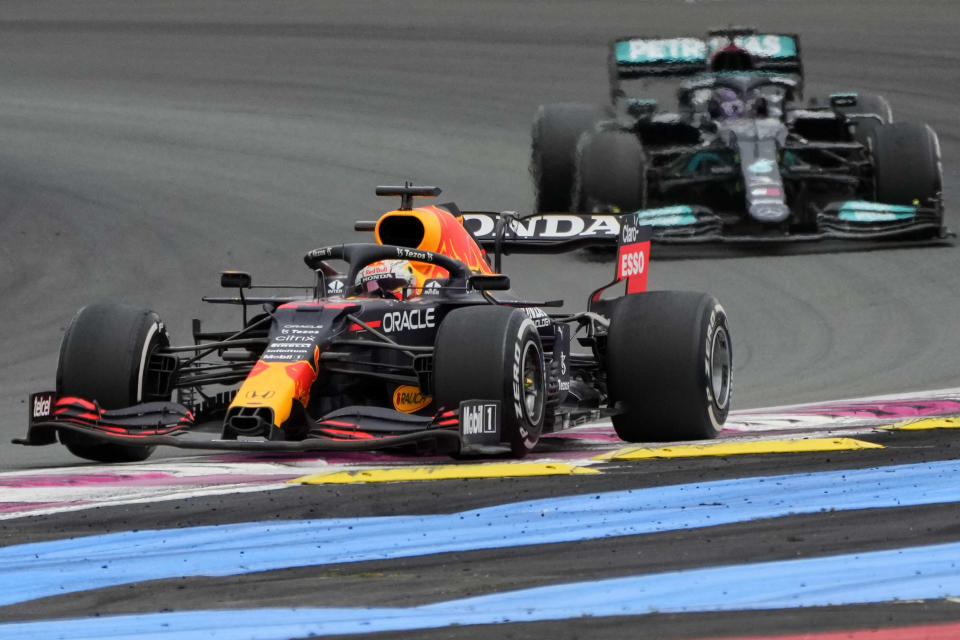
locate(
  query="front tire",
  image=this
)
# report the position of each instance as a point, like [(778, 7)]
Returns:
[(104, 357), (906, 163), (494, 353), (669, 366), (556, 129), (611, 172)]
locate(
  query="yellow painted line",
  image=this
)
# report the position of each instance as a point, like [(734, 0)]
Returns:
[(445, 472), (739, 448), (922, 424)]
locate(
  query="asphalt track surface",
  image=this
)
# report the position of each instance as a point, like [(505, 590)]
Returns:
[(145, 146)]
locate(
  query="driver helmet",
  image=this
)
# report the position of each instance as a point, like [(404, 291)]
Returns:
[(732, 58), (725, 103), (386, 277)]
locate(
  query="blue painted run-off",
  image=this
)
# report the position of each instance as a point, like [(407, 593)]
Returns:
[(43, 569), (878, 576)]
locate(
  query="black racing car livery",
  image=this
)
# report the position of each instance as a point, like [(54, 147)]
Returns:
[(743, 157), (415, 341)]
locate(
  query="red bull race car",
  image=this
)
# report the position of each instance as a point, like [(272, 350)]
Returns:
[(414, 341)]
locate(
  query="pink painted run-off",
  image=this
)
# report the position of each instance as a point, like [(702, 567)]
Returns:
[(949, 631), (157, 479), (894, 409), (81, 479)]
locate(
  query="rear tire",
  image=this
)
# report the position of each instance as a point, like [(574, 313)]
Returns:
[(556, 129), (669, 365), (494, 353), (103, 358), (906, 163), (611, 172)]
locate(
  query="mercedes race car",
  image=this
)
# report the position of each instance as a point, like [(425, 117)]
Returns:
[(742, 157), (413, 341)]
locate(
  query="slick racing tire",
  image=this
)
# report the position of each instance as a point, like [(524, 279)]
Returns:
[(669, 366), (494, 353), (863, 131), (611, 172), (104, 357), (868, 104), (556, 129), (906, 163)]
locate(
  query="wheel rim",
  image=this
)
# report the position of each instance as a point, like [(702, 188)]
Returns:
[(720, 367), (532, 383)]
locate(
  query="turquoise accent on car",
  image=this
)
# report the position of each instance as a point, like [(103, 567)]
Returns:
[(687, 50), (879, 207), (649, 51), (843, 100), (641, 107), (664, 211), (676, 216), (761, 166), (863, 211), (698, 159)]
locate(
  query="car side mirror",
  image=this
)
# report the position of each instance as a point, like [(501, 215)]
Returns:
[(843, 100), (641, 108), (235, 280), (484, 282)]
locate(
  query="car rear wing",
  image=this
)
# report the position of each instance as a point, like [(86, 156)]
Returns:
[(640, 56), (507, 232), (541, 233)]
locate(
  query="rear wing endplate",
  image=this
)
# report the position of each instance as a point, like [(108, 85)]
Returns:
[(633, 263)]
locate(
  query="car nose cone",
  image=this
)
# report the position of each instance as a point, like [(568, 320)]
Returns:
[(769, 212)]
